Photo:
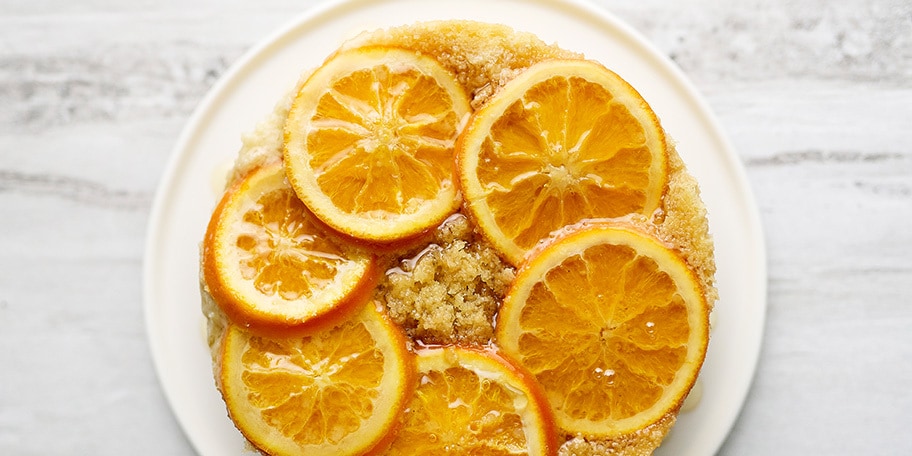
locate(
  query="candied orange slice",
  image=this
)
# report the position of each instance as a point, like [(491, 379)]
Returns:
[(336, 392), (369, 142), (269, 267), (471, 401), (564, 141), (613, 325)]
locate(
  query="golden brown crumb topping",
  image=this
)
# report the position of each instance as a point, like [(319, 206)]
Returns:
[(641, 443), (483, 57), (450, 290)]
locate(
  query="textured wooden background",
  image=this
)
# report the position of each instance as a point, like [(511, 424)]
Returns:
[(815, 95)]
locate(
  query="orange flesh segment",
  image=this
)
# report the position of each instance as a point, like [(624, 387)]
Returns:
[(470, 403), (485, 410), (609, 330), (270, 268), (611, 323), (337, 391), (563, 142), (552, 170), (281, 253), (363, 135), (299, 387), (369, 143)]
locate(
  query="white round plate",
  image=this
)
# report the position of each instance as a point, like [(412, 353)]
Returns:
[(248, 92)]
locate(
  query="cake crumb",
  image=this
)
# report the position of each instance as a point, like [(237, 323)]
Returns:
[(481, 70), (449, 291), (683, 222), (639, 443)]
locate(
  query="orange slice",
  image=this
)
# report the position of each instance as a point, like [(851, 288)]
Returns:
[(336, 392), (369, 142), (470, 401), (612, 323), (268, 266), (566, 140)]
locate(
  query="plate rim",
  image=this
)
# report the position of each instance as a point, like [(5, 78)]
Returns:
[(180, 154)]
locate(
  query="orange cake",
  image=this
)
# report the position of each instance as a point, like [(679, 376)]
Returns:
[(454, 238)]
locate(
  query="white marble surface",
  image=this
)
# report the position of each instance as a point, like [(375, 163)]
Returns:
[(816, 96)]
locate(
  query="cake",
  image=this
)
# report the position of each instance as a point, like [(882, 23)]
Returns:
[(443, 286)]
